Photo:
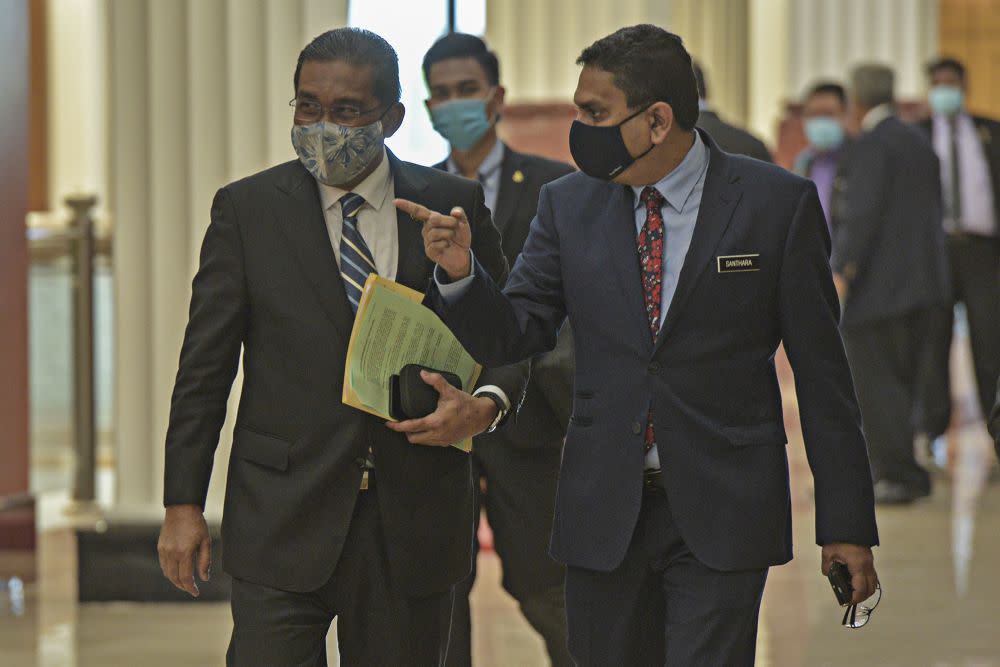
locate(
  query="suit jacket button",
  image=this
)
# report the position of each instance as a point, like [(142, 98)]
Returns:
[(636, 428), (654, 368)]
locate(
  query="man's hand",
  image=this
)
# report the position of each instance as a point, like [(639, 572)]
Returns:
[(185, 534), (860, 563), (447, 238), (458, 416)]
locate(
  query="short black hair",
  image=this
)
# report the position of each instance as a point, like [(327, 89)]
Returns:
[(461, 45), (699, 79), (649, 65), (829, 88), (954, 64), (357, 46)]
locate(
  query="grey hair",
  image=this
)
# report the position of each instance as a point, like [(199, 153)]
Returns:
[(871, 85)]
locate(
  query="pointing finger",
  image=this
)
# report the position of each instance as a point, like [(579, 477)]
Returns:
[(412, 209)]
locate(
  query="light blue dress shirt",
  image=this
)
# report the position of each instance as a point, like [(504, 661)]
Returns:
[(489, 174), (681, 189)]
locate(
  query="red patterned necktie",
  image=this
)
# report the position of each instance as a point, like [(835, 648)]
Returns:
[(650, 244)]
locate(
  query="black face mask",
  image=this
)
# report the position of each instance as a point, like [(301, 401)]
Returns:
[(600, 151)]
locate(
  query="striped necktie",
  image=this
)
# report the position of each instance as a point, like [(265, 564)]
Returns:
[(356, 260)]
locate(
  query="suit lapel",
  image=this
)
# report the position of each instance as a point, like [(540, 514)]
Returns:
[(413, 268), (509, 195), (301, 221), (618, 222), (719, 199)]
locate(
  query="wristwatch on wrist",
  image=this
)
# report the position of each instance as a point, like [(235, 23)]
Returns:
[(502, 409)]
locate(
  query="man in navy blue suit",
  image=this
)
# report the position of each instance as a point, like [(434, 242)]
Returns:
[(681, 269)]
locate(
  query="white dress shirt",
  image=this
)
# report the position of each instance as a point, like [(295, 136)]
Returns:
[(489, 174), (978, 198), (377, 221), (876, 115)]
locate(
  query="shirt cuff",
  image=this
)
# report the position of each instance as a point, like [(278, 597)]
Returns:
[(493, 389), (453, 291)]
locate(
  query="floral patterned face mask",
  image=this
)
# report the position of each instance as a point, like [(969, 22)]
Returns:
[(336, 154)]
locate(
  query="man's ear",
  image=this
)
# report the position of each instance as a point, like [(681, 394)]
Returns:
[(499, 100), (393, 119), (661, 117)]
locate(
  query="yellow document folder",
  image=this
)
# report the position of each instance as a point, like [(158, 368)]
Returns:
[(392, 329)]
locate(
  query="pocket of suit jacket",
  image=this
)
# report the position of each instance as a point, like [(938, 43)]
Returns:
[(265, 450)]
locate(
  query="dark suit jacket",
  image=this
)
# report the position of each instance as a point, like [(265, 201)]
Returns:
[(731, 138), (544, 413), (888, 241), (989, 134), (994, 424), (269, 282), (709, 376)]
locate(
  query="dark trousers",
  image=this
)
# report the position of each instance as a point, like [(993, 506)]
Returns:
[(662, 606), (975, 279), (519, 503), (885, 358), (376, 626)]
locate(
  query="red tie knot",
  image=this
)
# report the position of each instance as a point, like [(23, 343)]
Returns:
[(651, 197)]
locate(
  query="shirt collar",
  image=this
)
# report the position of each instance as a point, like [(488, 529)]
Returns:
[(491, 163), (676, 187), (876, 116), (375, 188)]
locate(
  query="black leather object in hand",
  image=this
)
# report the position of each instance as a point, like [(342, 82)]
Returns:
[(412, 398)]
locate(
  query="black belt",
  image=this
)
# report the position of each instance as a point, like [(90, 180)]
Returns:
[(651, 480)]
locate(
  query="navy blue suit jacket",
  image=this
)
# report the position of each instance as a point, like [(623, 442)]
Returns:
[(709, 376)]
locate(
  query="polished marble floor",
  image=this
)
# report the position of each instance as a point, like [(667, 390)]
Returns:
[(939, 565)]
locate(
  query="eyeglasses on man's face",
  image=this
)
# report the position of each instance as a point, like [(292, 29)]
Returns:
[(310, 111)]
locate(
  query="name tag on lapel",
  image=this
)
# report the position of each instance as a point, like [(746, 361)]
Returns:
[(738, 263)]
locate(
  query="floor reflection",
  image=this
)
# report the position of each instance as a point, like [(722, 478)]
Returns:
[(937, 565)]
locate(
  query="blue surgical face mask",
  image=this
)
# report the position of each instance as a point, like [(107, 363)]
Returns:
[(461, 122), (824, 133), (946, 100)]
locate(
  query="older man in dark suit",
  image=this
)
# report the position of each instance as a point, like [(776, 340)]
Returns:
[(328, 513), (681, 269), (891, 269), (519, 463)]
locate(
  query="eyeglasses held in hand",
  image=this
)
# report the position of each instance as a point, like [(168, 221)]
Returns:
[(858, 615)]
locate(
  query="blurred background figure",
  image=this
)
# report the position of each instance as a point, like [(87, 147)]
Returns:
[(824, 113), (519, 462), (891, 271), (730, 138), (968, 147)]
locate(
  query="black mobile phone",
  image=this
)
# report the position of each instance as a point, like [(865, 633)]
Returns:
[(840, 581)]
